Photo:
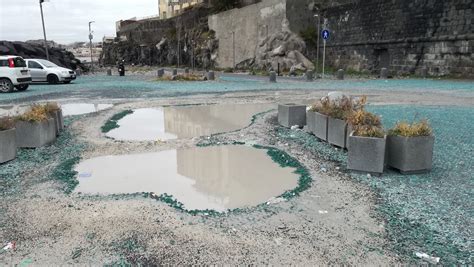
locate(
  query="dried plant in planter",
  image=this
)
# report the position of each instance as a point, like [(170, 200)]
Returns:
[(51, 107), (37, 113), (6, 123), (339, 109), (366, 124), (421, 128)]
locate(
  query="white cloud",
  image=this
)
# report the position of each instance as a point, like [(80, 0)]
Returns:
[(67, 20)]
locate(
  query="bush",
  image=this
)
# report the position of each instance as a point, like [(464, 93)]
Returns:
[(421, 128), (6, 123), (368, 131), (181, 77), (340, 109), (37, 113)]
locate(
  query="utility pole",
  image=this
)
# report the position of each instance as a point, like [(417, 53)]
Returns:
[(233, 49), (318, 32), (90, 43), (44, 30)]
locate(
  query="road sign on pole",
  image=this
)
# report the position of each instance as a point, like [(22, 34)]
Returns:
[(325, 34)]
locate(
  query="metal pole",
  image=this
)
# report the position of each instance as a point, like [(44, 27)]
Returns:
[(317, 50), (179, 44), (90, 45), (233, 48), (44, 30), (324, 56)]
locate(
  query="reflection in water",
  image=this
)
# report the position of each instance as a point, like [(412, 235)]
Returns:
[(82, 108), (218, 178), (142, 125), (185, 122)]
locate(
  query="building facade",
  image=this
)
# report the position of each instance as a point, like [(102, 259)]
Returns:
[(171, 8)]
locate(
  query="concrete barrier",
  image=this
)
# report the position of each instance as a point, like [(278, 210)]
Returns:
[(109, 72), (337, 131), (309, 75), (35, 134), (211, 76), (160, 73), (366, 154), (424, 72), (175, 72), (340, 74), (291, 114), (384, 73), (186, 70), (7, 145), (273, 77)]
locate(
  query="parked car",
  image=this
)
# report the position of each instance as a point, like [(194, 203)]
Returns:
[(13, 74), (46, 71)]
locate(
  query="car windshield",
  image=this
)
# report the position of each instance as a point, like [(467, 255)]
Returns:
[(47, 64)]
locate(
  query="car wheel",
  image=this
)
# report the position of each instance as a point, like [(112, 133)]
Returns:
[(6, 86), (53, 79), (22, 87), (67, 82)]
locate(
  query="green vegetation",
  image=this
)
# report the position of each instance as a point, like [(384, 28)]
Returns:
[(112, 122), (421, 128)]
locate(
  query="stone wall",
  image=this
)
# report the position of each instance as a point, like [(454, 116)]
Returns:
[(404, 36), (244, 28)]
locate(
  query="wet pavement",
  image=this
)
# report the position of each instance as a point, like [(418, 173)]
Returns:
[(170, 123), (83, 108), (219, 178)]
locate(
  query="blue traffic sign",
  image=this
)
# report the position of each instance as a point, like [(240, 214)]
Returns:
[(325, 34)]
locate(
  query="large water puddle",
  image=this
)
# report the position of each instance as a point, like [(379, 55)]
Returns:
[(218, 178), (185, 122), (83, 108)]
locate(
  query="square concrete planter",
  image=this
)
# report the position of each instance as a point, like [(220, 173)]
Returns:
[(317, 124), (7, 145), (58, 121), (35, 134), (291, 114), (337, 132), (410, 154), (366, 154)]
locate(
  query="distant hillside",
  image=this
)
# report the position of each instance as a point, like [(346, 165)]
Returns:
[(30, 50)]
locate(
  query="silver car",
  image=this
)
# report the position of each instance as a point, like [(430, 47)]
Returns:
[(46, 71)]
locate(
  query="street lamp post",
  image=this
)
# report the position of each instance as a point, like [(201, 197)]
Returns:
[(90, 44), (44, 30)]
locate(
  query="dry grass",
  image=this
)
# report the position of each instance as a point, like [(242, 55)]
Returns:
[(39, 113), (421, 128), (6, 123), (369, 131), (181, 77), (340, 109)]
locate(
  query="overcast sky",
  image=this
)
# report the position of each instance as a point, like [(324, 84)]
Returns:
[(67, 20)]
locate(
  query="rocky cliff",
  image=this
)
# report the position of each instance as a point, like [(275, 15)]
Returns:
[(59, 56)]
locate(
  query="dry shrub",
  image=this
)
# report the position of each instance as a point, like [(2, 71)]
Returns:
[(368, 131), (363, 117), (51, 107), (37, 113), (340, 109), (181, 77), (6, 123), (421, 128)]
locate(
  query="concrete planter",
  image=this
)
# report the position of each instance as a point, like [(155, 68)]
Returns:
[(317, 124), (291, 115), (410, 154), (348, 134), (58, 121), (35, 134), (337, 132), (366, 154), (7, 145)]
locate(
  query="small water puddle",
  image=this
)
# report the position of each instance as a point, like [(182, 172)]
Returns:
[(185, 122), (217, 178), (83, 108)]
